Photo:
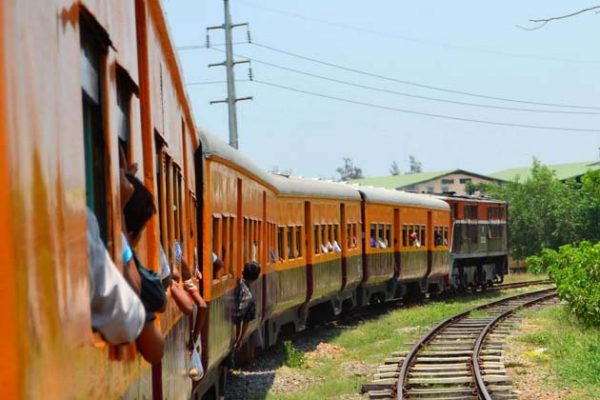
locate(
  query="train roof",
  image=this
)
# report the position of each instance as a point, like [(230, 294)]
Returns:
[(478, 199), (293, 186), (397, 197), (215, 146)]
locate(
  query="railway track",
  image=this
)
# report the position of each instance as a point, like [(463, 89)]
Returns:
[(516, 285), (458, 359)]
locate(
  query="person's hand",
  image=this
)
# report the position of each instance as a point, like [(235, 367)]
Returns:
[(175, 274)]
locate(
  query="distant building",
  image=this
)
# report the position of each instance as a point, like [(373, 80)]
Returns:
[(431, 182), (562, 171)]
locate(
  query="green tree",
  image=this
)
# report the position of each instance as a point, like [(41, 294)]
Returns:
[(349, 171), (590, 206), (543, 211)]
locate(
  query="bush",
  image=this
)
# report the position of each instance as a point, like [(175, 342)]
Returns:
[(294, 358), (576, 271)]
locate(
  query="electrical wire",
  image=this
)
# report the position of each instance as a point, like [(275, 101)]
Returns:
[(412, 39), (416, 84), (441, 116), (398, 93)]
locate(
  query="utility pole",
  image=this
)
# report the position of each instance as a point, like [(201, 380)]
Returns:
[(229, 64)]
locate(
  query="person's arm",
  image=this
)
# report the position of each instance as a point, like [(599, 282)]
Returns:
[(200, 314), (151, 343), (181, 298)]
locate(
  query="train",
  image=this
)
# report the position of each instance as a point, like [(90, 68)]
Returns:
[(85, 82)]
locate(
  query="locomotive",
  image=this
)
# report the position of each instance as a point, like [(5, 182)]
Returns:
[(82, 81)]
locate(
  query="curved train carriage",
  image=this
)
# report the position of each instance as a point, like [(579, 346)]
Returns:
[(98, 84)]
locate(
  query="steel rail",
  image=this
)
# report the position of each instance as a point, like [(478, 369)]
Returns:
[(410, 357), (481, 387)]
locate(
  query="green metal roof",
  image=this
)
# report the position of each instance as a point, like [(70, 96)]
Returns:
[(402, 180), (562, 171)]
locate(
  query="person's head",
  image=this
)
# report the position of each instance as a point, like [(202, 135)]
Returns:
[(139, 209), (217, 266), (251, 271)]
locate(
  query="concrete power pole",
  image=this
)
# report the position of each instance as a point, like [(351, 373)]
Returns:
[(229, 64)]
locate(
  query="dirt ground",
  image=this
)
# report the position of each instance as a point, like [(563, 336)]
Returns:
[(527, 367)]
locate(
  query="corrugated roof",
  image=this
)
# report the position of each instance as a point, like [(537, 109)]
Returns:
[(397, 197), (563, 171), (402, 180)]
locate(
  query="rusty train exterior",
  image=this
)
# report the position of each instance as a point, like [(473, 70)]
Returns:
[(80, 79)]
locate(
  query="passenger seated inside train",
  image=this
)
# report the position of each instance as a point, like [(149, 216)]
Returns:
[(336, 247), (245, 304), (381, 244), (438, 238), (414, 240), (217, 266)]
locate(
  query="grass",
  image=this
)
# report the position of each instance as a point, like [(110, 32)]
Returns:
[(569, 352), (369, 342), (523, 276)]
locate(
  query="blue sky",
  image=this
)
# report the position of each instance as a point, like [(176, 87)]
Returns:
[(469, 46)]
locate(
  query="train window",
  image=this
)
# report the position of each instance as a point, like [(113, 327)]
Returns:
[(388, 235), (373, 236), (404, 236), (381, 236), (290, 242), (280, 233), (423, 235), (96, 165), (224, 251), (298, 241), (231, 245), (472, 233), (335, 233), (316, 241), (246, 239), (349, 236), (437, 236), (411, 230), (324, 239), (470, 212), (445, 242), (216, 227)]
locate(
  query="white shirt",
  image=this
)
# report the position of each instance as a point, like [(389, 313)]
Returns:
[(117, 311)]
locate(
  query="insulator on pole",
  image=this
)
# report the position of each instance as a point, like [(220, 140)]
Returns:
[(207, 41), (250, 74), (249, 36)]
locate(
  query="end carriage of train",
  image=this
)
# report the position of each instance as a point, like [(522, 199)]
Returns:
[(85, 83), (479, 252)]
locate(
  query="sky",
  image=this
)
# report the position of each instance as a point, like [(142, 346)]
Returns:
[(463, 46)]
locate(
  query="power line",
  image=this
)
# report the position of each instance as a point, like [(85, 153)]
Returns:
[(394, 92), (413, 39), (198, 83), (420, 85), (441, 116)]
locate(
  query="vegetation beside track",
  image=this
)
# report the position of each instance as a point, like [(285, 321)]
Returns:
[(553, 352), (576, 270), (353, 349)]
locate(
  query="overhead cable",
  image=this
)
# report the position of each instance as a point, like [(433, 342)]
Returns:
[(426, 114), (420, 85)]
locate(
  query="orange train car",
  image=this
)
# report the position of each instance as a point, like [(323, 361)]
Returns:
[(235, 228), (81, 82), (400, 254)]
